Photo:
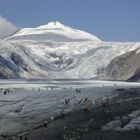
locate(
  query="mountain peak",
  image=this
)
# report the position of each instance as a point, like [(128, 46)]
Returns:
[(53, 24)]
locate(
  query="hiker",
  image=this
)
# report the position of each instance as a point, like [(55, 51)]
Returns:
[(38, 89), (104, 105), (66, 100), (45, 124), (85, 100), (87, 109), (20, 137), (5, 92), (65, 128)]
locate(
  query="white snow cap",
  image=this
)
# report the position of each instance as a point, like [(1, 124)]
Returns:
[(56, 29), (69, 30)]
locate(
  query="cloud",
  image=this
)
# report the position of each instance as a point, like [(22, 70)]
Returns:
[(6, 27)]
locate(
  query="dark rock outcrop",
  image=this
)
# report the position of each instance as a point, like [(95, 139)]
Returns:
[(125, 67), (17, 59), (5, 69)]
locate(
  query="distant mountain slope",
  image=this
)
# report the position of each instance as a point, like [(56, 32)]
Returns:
[(56, 51), (124, 67)]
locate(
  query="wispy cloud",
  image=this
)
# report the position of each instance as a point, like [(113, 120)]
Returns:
[(6, 27)]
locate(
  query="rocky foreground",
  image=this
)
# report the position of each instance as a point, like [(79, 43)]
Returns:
[(109, 119)]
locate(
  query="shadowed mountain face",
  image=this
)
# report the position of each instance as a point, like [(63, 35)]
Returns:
[(135, 77), (124, 67), (56, 51), (6, 69), (17, 59)]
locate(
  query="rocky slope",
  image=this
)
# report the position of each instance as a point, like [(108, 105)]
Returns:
[(124, 67)]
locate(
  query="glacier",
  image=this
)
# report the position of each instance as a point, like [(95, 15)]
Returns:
[(30, 102)]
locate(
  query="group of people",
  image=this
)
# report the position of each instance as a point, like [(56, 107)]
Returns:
[(6, 91), (21, 138)]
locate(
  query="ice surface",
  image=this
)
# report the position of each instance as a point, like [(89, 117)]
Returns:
[(29, 103)]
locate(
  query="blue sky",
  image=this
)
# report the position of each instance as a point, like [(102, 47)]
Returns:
[(110, 20)]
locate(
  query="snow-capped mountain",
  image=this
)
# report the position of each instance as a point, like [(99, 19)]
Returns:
[(55, 32), (56, 51)]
